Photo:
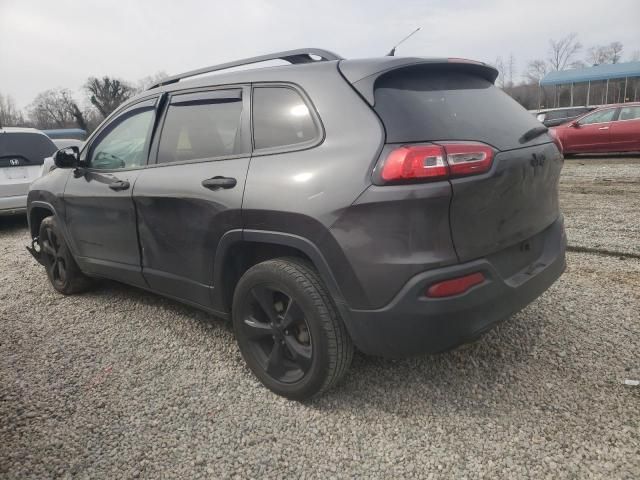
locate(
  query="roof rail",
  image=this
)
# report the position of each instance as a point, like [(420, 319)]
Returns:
[(301, 55)]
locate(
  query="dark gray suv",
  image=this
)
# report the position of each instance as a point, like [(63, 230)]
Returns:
[(394, 205)]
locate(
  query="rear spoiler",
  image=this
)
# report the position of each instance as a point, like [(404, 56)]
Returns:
[(363, 73)]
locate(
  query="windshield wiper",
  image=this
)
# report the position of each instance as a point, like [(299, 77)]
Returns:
[(533, 133)]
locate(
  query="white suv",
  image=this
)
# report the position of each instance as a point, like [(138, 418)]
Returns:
[(22, 154)]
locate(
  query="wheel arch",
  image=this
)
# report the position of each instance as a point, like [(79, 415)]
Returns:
[(38, 211), (239, 250)]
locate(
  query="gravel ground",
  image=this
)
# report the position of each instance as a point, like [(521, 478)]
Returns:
[(600, 198), (119, 383)]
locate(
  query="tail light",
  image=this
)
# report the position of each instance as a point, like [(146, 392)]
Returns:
[(420, 161), (436, 162)]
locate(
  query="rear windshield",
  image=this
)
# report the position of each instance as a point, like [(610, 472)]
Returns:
[(418, 105), (27, 148)]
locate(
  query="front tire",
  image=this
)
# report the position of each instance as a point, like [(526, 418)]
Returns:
[(288, 330), (62, 270)]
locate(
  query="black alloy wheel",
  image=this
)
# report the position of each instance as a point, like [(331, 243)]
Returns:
[(278, 334), (62, 270), (289, 330), (54, 260)]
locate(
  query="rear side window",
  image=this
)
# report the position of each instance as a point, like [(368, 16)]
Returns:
[(201, 126), (421, 104), (24, 148), (629, 113), (281, 118)]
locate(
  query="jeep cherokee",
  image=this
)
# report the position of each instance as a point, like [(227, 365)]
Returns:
[(394, 205)]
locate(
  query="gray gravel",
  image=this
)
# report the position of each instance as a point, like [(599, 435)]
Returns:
[(600, 198), (119, 383)]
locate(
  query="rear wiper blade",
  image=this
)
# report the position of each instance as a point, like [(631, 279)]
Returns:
[(533, 133)]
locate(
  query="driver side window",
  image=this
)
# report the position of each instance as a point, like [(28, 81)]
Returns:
[(123, 146)]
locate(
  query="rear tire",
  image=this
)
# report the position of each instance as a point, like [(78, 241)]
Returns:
[(288, 330), (62, 269)]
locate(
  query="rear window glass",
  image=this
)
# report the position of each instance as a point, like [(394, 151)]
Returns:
[(281, 118), (201, 129), (558, 115), (418, 105), (579, 111), (27, 148)]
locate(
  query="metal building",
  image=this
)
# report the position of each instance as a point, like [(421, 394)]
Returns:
[(597, 85)]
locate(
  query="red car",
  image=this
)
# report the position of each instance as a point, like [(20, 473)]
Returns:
[(614, 128)]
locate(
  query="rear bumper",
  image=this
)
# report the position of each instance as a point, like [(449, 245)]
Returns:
[(412, 323), (13, 205)]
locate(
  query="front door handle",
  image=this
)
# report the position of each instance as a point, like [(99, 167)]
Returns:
[(603, 128), (219, 182), (119, 185)]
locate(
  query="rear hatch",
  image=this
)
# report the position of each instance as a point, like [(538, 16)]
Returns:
[(22, 153), (445, 103)]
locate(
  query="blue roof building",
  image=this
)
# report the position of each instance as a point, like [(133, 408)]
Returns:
[(627, 72)]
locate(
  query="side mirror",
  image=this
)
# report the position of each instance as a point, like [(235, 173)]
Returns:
[(68, 157), (574, 125)]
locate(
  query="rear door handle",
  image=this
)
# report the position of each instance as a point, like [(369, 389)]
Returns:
[(119, 185), (603, 128), (219, 182)]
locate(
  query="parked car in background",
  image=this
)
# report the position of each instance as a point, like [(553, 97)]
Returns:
[(394, 205), (610, 129), (22, 154), (557, 116), (65, 133), (67, 142)]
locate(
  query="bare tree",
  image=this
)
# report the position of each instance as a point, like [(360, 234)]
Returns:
[(146, 82), (601, 54), (616, 51), (74, 110), (10, 116), (106, 93), (536, 70), (49, 110), (598, 55), (562, 52), (56, 109)]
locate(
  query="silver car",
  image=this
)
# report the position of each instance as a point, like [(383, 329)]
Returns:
[(22, 154)]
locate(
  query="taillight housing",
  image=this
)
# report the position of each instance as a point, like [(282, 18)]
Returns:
[(430, 162), (411, 162)]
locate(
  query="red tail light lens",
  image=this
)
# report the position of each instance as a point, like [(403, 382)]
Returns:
[(436, 162), (420, 161), (455, 286), (468, 158)]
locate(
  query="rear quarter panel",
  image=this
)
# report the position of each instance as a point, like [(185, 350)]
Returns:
[(305, 192)]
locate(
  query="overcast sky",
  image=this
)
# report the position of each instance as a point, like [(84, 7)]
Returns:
[(59, 43)]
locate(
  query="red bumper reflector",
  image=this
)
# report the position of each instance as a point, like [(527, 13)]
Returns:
[(455, 286)]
